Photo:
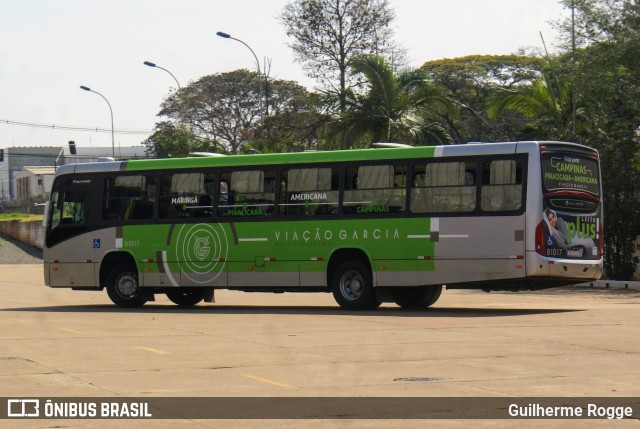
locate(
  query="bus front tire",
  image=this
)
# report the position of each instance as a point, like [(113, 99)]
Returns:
[(414, 298), (352, 286), (123, 287), (185, 297)]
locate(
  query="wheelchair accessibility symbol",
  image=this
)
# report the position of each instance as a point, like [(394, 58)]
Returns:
[(96, 243)]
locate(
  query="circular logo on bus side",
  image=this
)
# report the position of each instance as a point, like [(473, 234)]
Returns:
[(201, 251), (201, 247)]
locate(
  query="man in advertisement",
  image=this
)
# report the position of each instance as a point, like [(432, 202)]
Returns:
[(569, 236)]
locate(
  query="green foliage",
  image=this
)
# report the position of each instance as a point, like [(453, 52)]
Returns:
[(608, 87), (603, 77), (224, 112), (223, 109), (175, 141), (394, 108), (607, 84), (470, 82), (20, 217), (547, 102), (295, 120)]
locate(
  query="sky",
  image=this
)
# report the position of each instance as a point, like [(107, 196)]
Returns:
[(48, 48)]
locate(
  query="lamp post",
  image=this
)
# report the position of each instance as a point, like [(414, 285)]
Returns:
[(266, 103), (228, 36), (150, 64), (113, 145), (154, 65)]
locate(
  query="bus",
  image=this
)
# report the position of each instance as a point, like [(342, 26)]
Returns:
[(374, 225)]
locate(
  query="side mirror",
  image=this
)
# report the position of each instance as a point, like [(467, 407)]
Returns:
[(45, 220)]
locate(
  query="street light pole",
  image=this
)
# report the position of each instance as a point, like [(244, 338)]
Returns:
[(113, 144), (150, 64), (154, 65), (228, 36), (266, 103)]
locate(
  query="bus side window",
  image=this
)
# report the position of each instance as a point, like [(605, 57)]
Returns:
[(128, 197), (186, 195), (249, 193), (440, 187), (501, 185), (375, 189), (310, 191)]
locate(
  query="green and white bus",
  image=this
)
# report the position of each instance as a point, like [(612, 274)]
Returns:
[(370, 225)]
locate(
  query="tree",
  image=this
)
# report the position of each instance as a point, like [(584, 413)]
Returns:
[(295, 121), (223, 109), (227, 110), (328, 34), (171, 140), (394, 107), (598, 21), (606, 70), (470, 82), (547, 102)]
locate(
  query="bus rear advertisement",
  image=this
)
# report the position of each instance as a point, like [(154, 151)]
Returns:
[(369, 225), (572, 187)]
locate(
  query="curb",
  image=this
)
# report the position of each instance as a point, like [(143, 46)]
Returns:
[(611, 284)]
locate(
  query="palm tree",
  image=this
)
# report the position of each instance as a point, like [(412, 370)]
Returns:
[(546, 101), (393, 108)]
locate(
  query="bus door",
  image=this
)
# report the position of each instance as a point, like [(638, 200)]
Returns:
[(70, 208), (248, 201)]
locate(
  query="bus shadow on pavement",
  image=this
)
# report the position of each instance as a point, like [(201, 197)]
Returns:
[(297, 310)]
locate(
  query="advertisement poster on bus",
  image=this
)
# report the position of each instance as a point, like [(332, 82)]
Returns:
[(568, 236), (572, 211)]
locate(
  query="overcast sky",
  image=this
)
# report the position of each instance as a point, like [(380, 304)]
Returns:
[(48, 48)]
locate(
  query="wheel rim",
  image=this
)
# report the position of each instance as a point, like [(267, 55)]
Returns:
[(127, 285), (352, 285)]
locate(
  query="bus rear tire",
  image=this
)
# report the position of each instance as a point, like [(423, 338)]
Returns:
[(352, 286), (123, 287), (185, 297), (414, 298)]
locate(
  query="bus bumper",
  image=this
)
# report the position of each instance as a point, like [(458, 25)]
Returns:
[(540, 266)]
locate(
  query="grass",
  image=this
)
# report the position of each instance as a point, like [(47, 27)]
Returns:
[(21, 217)]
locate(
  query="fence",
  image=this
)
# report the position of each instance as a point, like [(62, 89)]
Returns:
[(31, 233)]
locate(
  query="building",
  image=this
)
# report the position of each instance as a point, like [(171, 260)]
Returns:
[(34, 181), (13, 161)]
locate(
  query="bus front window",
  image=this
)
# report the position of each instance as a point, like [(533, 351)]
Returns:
[(68, 210)]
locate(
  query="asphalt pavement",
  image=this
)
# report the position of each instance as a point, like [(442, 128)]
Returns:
[(15, 252)]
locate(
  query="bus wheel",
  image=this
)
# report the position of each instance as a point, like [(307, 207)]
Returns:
[(185, 297), (123, 287), (352, 286), (413, 298)]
